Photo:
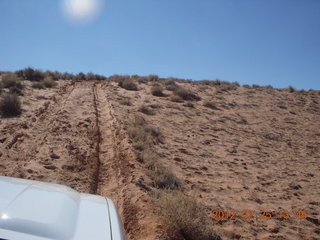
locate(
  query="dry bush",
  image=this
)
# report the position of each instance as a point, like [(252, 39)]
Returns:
[(156, 90), (210, 105), (176, 98), (186, 94), (126, 102), (146, 110), (80, 76), (291, 89), (11, 80), (184, 217), (128, 84), (143, 136), (153, 78), (16, 90), (10, 105), (162, 177), (38, 85), (31, 74), (49, 82), (189, 104), (171, 84)]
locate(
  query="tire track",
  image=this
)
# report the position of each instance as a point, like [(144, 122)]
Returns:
[(115, 177)]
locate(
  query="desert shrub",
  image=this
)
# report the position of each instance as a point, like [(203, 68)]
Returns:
[(80, 76), (146, 110), (156, 90), (291, 89), (128, 84), (11, 80), (189, 104), (38, 85), (256, 86), (31, 74), (10, 105), (171, 84), (16, 90), (52, 75), (176, 98), (184, 217), (126, 102), (49, 82), (162, 177), (90, 76), (210, 105), (67, 76), (142, 135), (153, 78), (186, 94), (148, 157)]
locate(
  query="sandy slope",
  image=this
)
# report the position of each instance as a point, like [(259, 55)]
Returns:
[(70, 136), (260, 150)]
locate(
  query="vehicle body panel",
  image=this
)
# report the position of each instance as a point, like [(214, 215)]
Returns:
[(37, 210)]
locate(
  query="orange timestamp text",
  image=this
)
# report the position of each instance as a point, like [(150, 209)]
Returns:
[(262, 214)]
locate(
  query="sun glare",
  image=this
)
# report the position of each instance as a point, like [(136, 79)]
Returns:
[(81, 10)]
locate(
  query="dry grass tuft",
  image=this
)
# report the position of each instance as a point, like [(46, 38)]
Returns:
[(186, 94), (49, 82), (177, 99), (10, 105), (210, 105), (156, 90), (185, 218), (146, 110)]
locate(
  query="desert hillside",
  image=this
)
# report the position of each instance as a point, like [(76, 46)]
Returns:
[(250, 152)]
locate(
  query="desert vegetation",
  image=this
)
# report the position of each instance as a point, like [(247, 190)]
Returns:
[(201, 146), (10, 105)]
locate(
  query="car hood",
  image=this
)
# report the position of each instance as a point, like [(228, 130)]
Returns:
[(37, 210)]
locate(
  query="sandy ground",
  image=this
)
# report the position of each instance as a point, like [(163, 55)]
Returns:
[(259, 151), (70, 136)]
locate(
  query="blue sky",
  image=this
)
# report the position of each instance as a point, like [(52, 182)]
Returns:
[(264, 42)]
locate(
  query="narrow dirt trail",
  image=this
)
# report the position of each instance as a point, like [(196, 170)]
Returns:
[(116, 162), (59, 145), (77, 140)]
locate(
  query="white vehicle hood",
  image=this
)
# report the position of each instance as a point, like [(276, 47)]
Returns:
[(37, 210)]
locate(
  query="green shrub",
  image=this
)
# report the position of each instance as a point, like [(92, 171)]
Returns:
[(185, 218), (186, 94), (156, 90), (10, 105)]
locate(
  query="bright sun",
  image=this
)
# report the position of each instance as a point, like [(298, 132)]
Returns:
[(81, 10)]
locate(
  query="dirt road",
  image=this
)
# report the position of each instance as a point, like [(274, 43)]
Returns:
[(73, 138)]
